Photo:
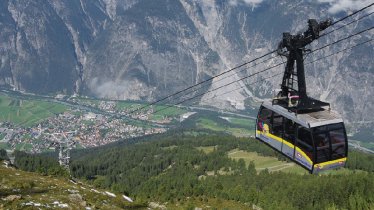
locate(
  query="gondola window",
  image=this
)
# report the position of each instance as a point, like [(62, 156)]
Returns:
[(264, 120), (277, 125), (304, 141), (289, 130)]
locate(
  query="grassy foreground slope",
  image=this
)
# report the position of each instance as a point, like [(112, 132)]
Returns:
[(20, 190), (188, 169)]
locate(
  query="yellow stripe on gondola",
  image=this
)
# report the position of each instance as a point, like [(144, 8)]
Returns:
[(330, 162), (302, 153)]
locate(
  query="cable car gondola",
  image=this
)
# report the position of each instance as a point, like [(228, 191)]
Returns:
[(302, 128)]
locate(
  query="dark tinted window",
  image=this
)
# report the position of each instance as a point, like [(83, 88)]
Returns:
[(323, 146), (304, 141), (289, 130), (330, 142), (264, 118), (337, 143), (336, 126), (277, 125), (320, 129)]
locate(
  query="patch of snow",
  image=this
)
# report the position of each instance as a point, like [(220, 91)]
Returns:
[(93, 190), (127, 198), (73, 191), (63, 205), (110, 194), (186, 116)]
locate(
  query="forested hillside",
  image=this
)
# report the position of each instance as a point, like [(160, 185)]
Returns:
[(195, 167)]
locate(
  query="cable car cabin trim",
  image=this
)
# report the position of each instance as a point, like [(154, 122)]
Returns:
[(329, 165), (340, 161), (313, 168), (302, 153)]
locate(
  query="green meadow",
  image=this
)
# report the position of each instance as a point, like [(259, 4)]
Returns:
[(27, 113)]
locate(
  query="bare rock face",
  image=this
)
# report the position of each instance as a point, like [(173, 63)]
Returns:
[(149, 51), (36, 48), (145, 50)]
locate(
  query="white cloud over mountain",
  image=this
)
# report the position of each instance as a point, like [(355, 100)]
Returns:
[(346, 5), (252, 3)]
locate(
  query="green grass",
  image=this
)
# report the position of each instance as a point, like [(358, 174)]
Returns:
[(208, 203), (266, 162), (46, 190), (4, 145), (207, 149), (27, 113), (169, 147), (169, 112), (273, 164), (369, 145), (23, 146), (241, 132), (341, 171), (210, 124), (296, 170), (249, 123), (160, 115), (214, 126)]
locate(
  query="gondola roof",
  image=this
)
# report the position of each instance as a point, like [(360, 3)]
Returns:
[(312, 119)]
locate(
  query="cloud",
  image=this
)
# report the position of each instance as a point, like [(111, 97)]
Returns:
[(252, 3), (112, 89), (346, 5)]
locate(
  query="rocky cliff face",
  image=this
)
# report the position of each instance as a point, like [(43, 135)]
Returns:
[(151, 49), (146, 49)]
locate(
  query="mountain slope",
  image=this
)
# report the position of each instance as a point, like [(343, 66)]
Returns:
[(143, 49)]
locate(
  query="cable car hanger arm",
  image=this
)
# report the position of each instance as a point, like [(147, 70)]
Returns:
[(295, 46)]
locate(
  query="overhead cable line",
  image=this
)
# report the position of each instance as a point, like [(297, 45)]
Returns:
[(342, 39), (362, 17), (360, 10), (227, 76), (324, 57), (207, 80), (267, 69), (234, 68), (340, 51), (222, 86), (230, 91)]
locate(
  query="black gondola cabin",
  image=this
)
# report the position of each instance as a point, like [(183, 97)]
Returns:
[(316, 140)]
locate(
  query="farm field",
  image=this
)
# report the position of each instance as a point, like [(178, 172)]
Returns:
[(241, 127), (27, 113), (169, 112), (241, 121)]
